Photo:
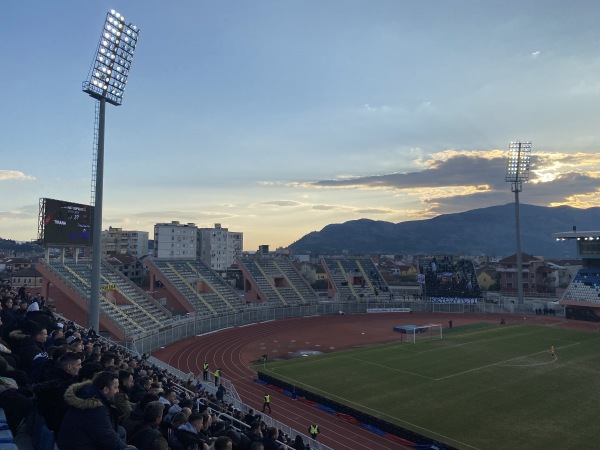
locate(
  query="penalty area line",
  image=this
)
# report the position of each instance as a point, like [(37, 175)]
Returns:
[(499, 363)]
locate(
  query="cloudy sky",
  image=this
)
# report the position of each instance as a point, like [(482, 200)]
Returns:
[(278, 117)]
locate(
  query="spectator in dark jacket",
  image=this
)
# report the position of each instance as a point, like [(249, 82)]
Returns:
[(146, 436), (186, 436), (16, 406), (50, 394), (7, 315), (121, 400), (90, 422), (136, 416), (140, 389), (32, 347)]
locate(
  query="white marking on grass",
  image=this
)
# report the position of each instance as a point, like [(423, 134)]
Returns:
[(389, 368), (499, 363), (553, 360)]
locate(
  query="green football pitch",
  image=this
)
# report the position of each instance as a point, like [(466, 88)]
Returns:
[(480, 387)]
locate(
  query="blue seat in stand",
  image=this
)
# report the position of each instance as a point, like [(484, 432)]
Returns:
[(6, 437)]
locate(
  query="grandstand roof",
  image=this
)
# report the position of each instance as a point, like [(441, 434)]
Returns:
[(578, 235)]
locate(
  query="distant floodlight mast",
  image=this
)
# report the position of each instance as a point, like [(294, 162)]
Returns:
[(106, 83), (519, 155)]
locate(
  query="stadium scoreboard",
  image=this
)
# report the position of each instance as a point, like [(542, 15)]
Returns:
[(66, 223)]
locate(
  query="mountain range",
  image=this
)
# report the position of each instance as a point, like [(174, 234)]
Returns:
[(485, 231)]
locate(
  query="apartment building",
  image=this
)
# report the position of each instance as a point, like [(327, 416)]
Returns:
[(219, 247), (538, 276), (175, 240), (116, 241)]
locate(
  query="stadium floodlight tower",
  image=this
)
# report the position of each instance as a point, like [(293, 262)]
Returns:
[(106, 83), (519, 155)]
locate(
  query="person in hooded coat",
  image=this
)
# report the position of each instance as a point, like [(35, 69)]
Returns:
[(91, 421)]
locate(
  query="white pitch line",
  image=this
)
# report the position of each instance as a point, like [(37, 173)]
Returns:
[(389, 368), (553, 360), (499, 363)]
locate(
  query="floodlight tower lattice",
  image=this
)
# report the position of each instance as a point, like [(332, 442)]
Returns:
[(106, 83), (519, 156)]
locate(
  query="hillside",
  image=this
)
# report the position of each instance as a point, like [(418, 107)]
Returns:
[(489, 231)]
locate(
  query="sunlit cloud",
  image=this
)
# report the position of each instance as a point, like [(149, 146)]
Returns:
[(374, 211), (284, 203), (458, 180), (450, 168), (324, 207), (6, 175), (373, 109)]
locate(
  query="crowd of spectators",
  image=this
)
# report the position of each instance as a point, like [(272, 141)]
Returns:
[(93, 394), (447, 278)]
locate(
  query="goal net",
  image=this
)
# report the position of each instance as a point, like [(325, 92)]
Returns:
[(420, 333)]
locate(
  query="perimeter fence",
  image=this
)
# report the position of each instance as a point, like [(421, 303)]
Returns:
[(194, 325)]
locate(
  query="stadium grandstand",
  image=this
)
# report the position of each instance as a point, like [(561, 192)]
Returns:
[(581, 299), (273, 279), (195, 286), (126, 310), (353, 279)]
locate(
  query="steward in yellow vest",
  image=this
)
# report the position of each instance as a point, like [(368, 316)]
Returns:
[(314, 430), (267, 403)]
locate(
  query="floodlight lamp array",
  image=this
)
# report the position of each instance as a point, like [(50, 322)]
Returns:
[(113, 59), (519, 157)]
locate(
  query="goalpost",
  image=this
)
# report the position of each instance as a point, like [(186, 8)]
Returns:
[(429, 332)]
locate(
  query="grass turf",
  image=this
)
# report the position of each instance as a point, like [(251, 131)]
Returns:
[(481, 387)]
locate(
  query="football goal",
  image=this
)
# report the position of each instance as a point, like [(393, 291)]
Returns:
[(419, 333)]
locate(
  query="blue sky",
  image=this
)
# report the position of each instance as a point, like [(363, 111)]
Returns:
[(276, 118)]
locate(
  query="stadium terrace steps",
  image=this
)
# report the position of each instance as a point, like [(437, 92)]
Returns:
[(342, 271), (278, 281), (179, 276), (585, 287), (138, 314)]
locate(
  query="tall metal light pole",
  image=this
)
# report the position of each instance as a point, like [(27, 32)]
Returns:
[(519, 155), (106, 83)]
